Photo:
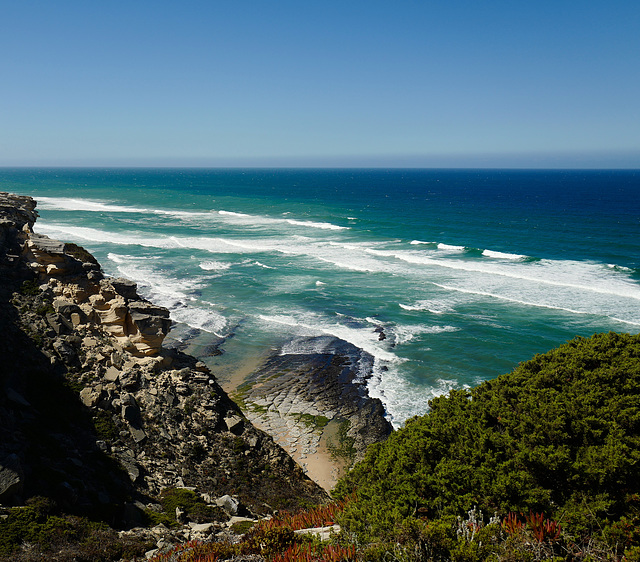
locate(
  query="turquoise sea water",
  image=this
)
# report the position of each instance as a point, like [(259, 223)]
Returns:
[(467, 272)]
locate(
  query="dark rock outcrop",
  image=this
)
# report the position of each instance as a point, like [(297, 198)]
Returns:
[(94, 413)]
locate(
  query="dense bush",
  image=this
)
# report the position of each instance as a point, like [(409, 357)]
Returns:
[(193, 506), (38, 532), (559, 435)]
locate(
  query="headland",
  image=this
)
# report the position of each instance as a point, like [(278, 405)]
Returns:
[(101, 417)]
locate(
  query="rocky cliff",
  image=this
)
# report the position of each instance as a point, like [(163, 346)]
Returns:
[(94, 413)]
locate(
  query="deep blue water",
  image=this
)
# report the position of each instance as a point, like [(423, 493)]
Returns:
[(468, 272)]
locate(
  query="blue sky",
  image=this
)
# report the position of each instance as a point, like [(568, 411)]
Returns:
[(359, 83)]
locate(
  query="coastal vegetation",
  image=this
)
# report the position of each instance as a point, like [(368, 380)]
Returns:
[(341, 446), (550, 449), (52, 535), (538, 464)]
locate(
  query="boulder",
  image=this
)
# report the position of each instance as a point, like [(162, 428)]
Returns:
[(112, 374), (91, 396), (235, 424), (47, 256), (59, 324), (201, 527), (152, 324), (230, 505), (66, 307), (125, 288)]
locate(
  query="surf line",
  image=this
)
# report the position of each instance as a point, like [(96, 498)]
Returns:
[(526, 303)]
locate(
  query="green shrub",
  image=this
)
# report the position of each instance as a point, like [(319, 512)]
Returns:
[(269, 541), (344, 448), (559, 435), (191, 503), (242, 527), (632, 554), (30, 288), (44, 309), (104, 426), (154, 518), (62, 537)]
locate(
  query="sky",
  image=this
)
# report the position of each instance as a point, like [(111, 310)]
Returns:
[(400, 83)]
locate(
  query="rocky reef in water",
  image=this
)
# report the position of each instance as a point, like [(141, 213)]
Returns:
[(312, 397), (96, 415)]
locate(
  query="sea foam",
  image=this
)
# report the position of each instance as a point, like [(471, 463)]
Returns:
[(73, 204), (502, 255), (176, 294), (209, 265), (310, 324)]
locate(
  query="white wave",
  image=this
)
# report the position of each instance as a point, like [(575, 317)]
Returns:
[(259, 264), (401, 398), (234, 214), (185, 214), (176, 294), (311, 224), (418, 242), (73, 204), (620, 268), (593, 308), (451, 248), (630, 322), (583, 276), (214, 245), (309, 324), (244, 219), (214, 265), (344, 260), (199, 318), (143, 273), (76, 204), (264, 220), (404, 333), (320, 283), (94, 235), (116, 258), (410, 307), (433, 306), (502, 255)]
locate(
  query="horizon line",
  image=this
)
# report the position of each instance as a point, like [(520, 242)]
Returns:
[(307, 167)]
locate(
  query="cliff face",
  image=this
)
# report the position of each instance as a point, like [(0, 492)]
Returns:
[(94, 413)]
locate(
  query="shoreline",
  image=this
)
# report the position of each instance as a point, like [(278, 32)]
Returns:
[(92, 391), (315, 405)]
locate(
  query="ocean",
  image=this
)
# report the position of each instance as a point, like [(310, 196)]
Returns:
[(446, 277)]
